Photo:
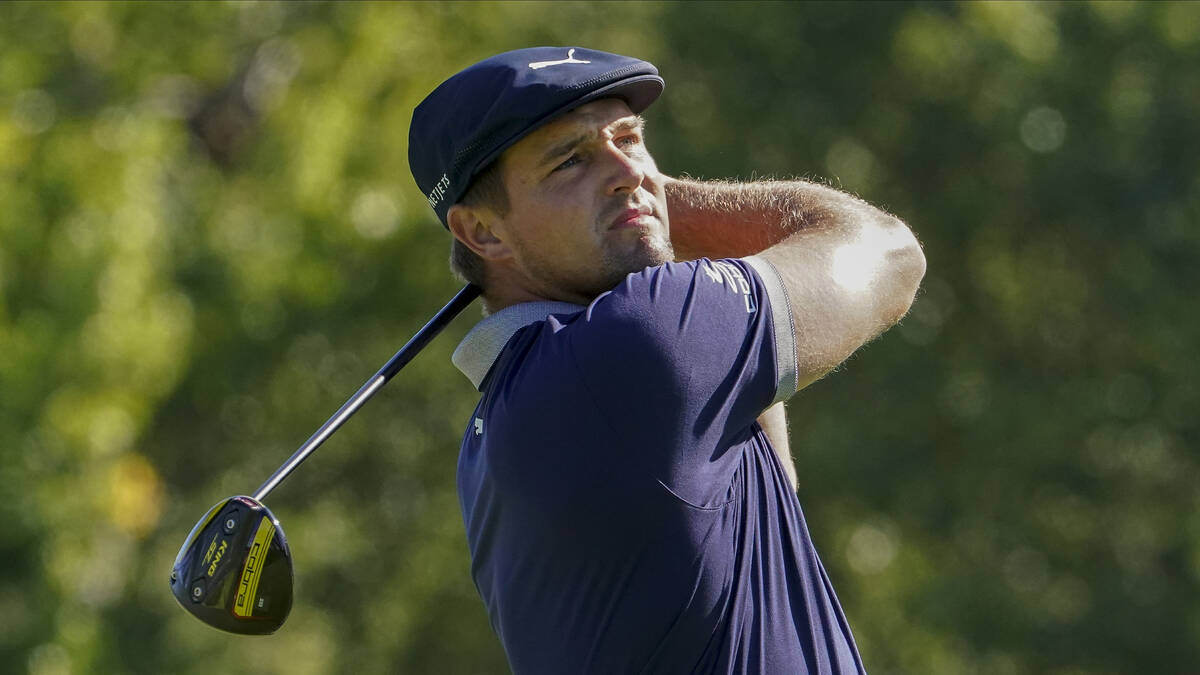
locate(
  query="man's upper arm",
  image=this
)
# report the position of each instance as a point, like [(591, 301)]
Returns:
[(843, 286)]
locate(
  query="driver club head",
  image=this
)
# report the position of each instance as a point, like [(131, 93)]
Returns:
[(234, 571)]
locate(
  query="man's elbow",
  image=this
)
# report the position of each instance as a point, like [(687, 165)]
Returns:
[(907, 263)]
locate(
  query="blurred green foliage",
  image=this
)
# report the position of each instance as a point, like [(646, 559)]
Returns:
[(209, 238)]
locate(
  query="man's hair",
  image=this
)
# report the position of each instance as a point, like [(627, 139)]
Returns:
[(486, 190)]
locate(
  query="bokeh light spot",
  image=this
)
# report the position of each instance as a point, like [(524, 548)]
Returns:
[(1043, 129), (375, 214), (872, 548), (135, 495)]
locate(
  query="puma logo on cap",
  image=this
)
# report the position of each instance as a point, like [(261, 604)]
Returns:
[(570, 59)]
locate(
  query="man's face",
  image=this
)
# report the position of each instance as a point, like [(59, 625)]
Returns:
[(587, 204)]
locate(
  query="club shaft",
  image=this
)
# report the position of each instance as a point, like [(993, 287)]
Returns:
[(371, 386)]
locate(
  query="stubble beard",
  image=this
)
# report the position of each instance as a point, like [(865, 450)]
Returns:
[(652, 249), (613, 265)]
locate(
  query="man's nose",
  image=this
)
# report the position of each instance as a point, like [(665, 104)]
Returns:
[(627, 172)]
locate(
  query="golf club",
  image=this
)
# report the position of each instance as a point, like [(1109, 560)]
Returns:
[(234, 571)]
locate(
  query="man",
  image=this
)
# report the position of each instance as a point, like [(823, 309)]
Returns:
[(625, 480)]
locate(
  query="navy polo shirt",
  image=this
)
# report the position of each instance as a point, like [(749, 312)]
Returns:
[(625, 512)]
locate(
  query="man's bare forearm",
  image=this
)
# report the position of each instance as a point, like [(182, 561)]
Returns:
[(720, 219)]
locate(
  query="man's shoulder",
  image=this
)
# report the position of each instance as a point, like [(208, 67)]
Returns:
[(712, 285), (484, 343)]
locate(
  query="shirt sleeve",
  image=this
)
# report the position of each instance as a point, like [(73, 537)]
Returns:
[(683, 357)]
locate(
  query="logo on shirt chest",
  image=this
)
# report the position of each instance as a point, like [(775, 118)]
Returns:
[(478, 426)]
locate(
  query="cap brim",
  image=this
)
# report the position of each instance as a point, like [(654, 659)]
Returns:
[(638, 92)]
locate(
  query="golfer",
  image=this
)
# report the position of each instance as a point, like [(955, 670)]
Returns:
[(625, 481)]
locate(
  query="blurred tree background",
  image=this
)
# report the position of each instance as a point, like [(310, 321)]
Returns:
[(209, 238)]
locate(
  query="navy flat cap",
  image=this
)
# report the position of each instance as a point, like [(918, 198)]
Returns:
[(478, 113)]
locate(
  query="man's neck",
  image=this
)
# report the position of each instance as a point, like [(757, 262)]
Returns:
[(494, 301), (506, 287)]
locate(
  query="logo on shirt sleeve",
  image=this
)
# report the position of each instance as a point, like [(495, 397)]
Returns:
[(729, 276)]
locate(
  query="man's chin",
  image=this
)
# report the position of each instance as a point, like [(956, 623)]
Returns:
[(662, 252), (650, 256), (650, 251)]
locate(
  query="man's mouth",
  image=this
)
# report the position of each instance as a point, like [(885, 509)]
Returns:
[(634, 217)]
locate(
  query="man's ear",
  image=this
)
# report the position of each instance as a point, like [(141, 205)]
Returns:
[(473, 226)]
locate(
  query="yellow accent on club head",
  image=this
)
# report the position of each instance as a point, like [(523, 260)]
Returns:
[(248, 586), (212, 513)]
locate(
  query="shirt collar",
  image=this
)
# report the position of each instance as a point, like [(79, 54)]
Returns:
[(480, 348)]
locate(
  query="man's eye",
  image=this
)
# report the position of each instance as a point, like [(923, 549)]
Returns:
[(568, 162), (629, 140)]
